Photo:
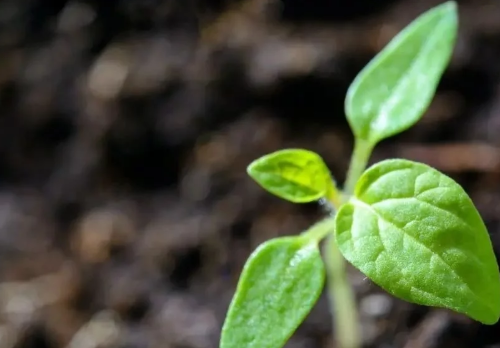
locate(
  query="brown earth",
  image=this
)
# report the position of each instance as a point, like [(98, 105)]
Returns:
[(125, 129)]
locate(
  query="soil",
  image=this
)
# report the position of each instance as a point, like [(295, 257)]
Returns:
[(126, 126)]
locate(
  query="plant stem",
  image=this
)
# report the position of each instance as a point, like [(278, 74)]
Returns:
[(340, 291), (342, 299), (359, 159), (334, 197), (319, 231)]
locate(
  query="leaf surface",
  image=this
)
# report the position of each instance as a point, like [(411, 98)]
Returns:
[(393, 91), (279, 285), (416, 233), (297, 175)]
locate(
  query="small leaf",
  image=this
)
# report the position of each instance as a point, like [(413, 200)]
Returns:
[(416, 233), (297, 175), (280, 284), (394, 90)]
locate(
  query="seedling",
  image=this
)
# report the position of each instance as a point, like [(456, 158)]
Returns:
[(409, 228)]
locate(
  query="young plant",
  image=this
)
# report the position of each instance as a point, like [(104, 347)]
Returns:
[(409, 228)]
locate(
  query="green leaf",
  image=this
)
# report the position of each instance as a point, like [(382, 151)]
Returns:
[(394, 90), (416, 233), (280, 284), (297, 175)]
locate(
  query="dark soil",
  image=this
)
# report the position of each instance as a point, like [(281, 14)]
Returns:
[(125, 129)]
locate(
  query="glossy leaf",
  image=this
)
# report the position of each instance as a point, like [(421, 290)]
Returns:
[(416, 233), (279, 285), (297, 175), (394, 90)]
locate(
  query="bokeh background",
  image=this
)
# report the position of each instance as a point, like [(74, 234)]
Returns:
[(126, 126)]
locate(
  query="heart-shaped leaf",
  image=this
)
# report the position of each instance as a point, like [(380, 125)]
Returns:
[(393, 91), (416, 233), (297, 175), (279, 285)]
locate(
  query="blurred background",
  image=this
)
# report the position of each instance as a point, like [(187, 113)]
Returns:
[(126, 127)]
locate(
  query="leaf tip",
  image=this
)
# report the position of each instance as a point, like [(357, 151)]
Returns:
[(490, 317), (251, 169), (257, 168), (449, 6), (448, 10)]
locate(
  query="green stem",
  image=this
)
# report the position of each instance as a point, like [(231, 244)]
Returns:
[(334, 197), (340, 291), (342, 299), (319, 231), (359, 159)]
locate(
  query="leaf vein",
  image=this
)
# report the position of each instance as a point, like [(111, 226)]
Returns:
[(375, 180), (470, 229), (374, 211)]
